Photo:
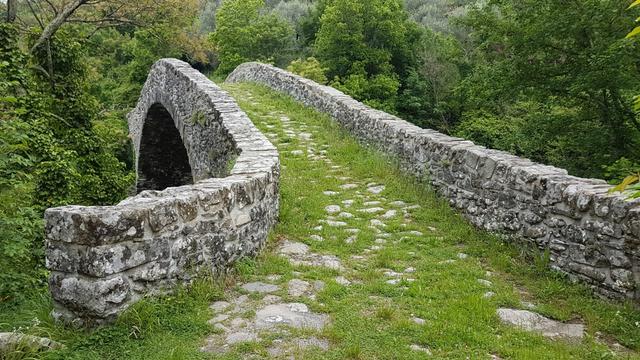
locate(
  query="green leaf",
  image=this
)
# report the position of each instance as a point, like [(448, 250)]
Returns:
[(634, 4), (633, 32), (9, 99), (625, 183)]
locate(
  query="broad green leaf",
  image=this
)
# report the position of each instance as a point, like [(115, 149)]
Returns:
[(9, 99), (625, 183), (634, 4), (633, 32)]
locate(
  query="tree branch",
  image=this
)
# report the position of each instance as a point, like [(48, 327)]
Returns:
[(12, 10), (57, 22)]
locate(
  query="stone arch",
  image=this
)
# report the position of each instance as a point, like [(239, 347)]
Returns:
[(104, 258), (163, 159)]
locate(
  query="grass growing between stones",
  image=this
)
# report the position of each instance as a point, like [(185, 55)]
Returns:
[(423, 283), (461, 275)]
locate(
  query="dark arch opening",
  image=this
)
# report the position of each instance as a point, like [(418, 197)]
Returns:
[(163, 161)]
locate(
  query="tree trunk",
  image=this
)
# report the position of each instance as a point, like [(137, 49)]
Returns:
[(57, 22), (12, 9)]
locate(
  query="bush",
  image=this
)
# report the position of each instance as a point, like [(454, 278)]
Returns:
[(50, 154), (310, 69), (379, 91), (243, 33)]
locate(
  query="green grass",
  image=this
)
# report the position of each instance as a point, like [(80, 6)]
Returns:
[(369, 319), (169, 327)]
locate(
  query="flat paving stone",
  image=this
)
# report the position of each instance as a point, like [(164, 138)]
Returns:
[(398, 203), (389, 214), (293, 248), (296, 315), (332, 209), (240, 337), (298, 287), (348, 186), (534, 322), (260, 287), (219, 306), (376, 189), (219, 318), (372, 210), (299, 255), (316, 238), (419, 348)]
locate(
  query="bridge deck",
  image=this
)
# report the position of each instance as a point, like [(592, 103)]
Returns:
[(367, 264)]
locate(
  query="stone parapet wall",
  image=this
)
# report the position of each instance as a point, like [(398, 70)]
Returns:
[(591, 235), (103, 259)]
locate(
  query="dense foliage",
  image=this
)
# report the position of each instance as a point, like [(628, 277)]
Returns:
[(52, 155), (63, 137), (243, 34), (570, 70)]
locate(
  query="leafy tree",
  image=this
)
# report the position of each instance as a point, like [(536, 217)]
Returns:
[(568, 54), (437, 15), (244, 34), (310, 69), (366, 42), (428, 97)]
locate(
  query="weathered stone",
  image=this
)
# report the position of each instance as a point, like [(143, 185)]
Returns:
[(376, 189), (219, 306), (419, 348), (293, 248), (332, 209), (241, 337), (348, 186), (531, 321), (218, 318), (372, 210), (260, 287), (298, 287), (296, 315)]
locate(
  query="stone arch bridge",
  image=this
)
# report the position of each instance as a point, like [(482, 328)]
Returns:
[(208, 194)]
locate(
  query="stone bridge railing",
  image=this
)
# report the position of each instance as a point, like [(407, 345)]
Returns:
[(213, 180), (591, 235)]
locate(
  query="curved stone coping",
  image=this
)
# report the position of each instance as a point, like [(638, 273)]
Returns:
[(104, 258), (591, 235)]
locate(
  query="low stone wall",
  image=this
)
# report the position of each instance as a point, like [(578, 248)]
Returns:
[(102, 259), (590, 234)]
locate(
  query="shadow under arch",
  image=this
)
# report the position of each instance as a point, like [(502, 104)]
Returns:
[(163, 160)]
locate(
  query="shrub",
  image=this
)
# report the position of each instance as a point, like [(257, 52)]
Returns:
[(310, 69)]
